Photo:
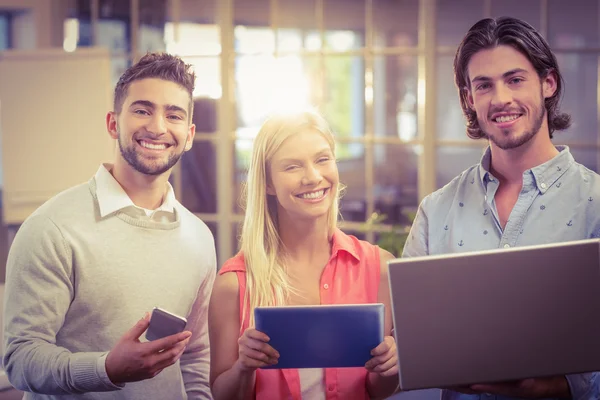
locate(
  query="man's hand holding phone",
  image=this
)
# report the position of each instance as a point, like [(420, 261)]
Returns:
[(131, 360)]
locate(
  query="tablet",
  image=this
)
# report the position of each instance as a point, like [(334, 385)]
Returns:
[(322, 336)]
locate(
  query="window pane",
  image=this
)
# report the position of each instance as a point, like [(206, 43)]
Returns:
[(249, 40), (198, 178), (77, 30), (395, 23), (393, 239), (205, 114), (208, 79), (587, 157), (152, 19), (251, 13), (191, 39), (450, 119), (451, 161), (268, 84), (345, 23), (529, 11), (353, 205), (579, 30), (113, 34), (358, 234), (236, 235), (113, 25), (199, 11), (395, 182), (118, 65), (214, 229), (297, 14), (243, 154), (289, 40), (344, 40), (77, 26), (580, 72), (151, 38), (395, 96), (454, 18), (4, 32), (343, 103)]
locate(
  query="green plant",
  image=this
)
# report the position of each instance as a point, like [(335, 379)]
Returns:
[(390, 237)]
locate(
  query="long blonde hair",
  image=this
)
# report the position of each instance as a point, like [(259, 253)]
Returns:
[(267, 282)]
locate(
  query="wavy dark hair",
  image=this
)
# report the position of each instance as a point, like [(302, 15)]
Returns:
[(489, 33)]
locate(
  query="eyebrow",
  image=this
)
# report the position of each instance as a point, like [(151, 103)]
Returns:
[(152, 106), (294, 160), (480, 78)]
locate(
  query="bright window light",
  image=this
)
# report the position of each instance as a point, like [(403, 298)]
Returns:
[(71, 34), (200, 46), (341, 40)]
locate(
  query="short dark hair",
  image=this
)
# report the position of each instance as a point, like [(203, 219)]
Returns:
[(489, 33), (156, 65)]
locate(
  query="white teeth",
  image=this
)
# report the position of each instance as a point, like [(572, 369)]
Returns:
[(313, 195), (507, 118), (153, 146)]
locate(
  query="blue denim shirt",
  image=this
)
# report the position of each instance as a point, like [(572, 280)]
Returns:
[(559, 201)]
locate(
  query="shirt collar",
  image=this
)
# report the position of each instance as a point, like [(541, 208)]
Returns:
[(484, 165), (340, 242), (112, 197), (343, 242), (545, 174)]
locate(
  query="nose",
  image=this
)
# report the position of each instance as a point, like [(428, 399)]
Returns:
[(157, 125), (311, 176), (502, 96)]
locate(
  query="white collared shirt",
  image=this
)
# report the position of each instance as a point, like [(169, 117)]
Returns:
[(112, 197)]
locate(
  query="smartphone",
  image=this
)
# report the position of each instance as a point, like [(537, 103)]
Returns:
[(164, 323)]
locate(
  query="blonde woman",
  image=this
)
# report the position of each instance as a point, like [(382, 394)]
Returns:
[(292, 253)]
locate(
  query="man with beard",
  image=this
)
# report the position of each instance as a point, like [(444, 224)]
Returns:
[(89, 263), (525, 190)]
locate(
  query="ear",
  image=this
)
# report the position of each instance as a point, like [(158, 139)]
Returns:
[(469, 98), (111, 124), (190, 137), (549, 84)]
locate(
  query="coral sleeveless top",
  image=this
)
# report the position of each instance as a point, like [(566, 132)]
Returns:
[(350, 277)]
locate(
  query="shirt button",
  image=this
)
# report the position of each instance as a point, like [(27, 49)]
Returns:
[(331, 388), (326, 286), (506, 246), (543, 185)]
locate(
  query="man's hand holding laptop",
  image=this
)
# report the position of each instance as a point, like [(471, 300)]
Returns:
[(532, 388)]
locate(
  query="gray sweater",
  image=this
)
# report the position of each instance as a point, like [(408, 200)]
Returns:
[(77, 282)]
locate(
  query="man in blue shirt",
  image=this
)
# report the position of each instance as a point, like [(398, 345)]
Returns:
[(525, 190)]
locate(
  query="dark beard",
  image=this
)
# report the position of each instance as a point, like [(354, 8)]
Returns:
[(132, 158), (526, 137)]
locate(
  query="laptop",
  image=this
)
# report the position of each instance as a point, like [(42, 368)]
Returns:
[(497, 315), (322, 336)]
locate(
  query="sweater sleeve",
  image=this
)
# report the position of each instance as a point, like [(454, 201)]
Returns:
[(195, 361), (38, 293)]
